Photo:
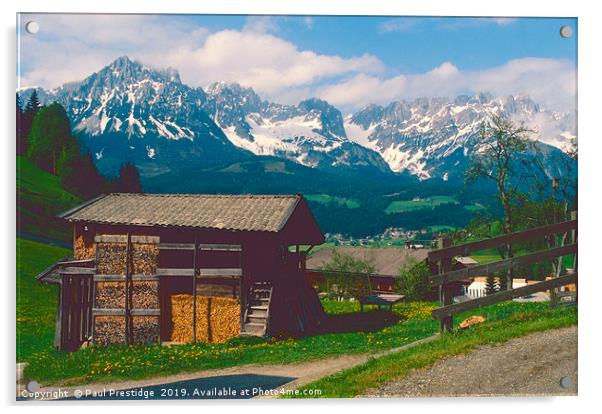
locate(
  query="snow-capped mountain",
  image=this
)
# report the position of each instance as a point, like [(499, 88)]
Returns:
[(311, 133), (433, 137), (129, 112)]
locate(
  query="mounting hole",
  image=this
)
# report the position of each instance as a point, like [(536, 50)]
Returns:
[(33, 386), (566, 382), (566, 31), (32, 27)]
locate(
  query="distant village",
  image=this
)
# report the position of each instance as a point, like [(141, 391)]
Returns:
[(392, 236)]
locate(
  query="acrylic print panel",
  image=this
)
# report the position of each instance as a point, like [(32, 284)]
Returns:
[(221, 206)]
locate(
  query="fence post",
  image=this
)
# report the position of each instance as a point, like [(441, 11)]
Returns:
[(445, 289), (574, 240)]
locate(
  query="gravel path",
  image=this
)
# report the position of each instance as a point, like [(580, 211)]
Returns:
[(530, 365), (287, 376)]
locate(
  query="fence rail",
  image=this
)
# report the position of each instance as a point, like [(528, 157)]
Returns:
[(440, 263), (465, 249), (490, 268), (450, 310)]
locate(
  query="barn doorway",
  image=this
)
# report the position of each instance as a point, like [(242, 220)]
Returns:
[(75, 311)]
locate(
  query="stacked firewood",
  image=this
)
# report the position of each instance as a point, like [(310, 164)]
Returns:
[(145, 294), (81, 250), (110, 295), (109, 330), (145, 329), (111, 258), (217, 318), (144, 259)]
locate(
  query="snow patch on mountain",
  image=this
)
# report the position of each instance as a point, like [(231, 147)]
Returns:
[(420, 136)]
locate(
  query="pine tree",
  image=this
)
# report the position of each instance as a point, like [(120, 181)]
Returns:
[(50, 134), (129, 179), (29, 113), (491, 285), (21, 138), (79, 174)]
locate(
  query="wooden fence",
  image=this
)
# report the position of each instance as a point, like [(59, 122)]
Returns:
[(440, 263)]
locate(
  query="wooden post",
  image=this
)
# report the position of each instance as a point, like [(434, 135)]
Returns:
[(445, 291), (194, 294), (574, 239), (127, 290), (243, 292)]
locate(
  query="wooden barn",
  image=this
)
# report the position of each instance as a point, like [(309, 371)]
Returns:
[(179, 268)]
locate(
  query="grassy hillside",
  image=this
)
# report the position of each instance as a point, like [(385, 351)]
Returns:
[(40, 198), (402, 206), (36, 302), (327, 199)]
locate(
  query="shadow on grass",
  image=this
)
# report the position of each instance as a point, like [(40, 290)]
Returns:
[(359, 322)]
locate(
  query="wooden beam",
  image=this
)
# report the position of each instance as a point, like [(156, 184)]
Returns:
[(108, 312), (221, 247), (117, 278), (503, 264), (220, 272), (504, 295), (176, 246), (71, 270), (123, 238), (145, 312), (465, 249), (75, 262), (175, 272)]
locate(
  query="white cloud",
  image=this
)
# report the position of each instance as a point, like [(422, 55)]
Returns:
[(549, 82), (71, 47), (409, 23), (263, 61), (261, 24), (399, 24)]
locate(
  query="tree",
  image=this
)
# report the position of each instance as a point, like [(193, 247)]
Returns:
[(21, 138), (350, 275), (79, 174), (500, 145), (491, 285), (29, 113), (414, 279), (50, 134), (129, 179)]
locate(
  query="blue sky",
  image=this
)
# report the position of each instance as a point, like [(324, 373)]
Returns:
[(349, 61)]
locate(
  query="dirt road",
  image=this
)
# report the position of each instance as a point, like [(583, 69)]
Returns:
[(536, 364)]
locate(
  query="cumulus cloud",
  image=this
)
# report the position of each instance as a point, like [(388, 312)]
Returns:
[(71, 47), (550, 82)]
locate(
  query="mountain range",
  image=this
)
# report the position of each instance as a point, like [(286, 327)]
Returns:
[(130, 112)]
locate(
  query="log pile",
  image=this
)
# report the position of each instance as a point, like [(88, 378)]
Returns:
[(144, 258), (110, 295), (217, 320), (83, 250), (145, 294), (111, 258), (145, 329), (109, 330)]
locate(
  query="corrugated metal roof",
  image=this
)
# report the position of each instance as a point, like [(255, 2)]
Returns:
[(229, 212)]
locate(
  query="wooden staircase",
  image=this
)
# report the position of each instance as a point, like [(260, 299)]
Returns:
[(257, 314)]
